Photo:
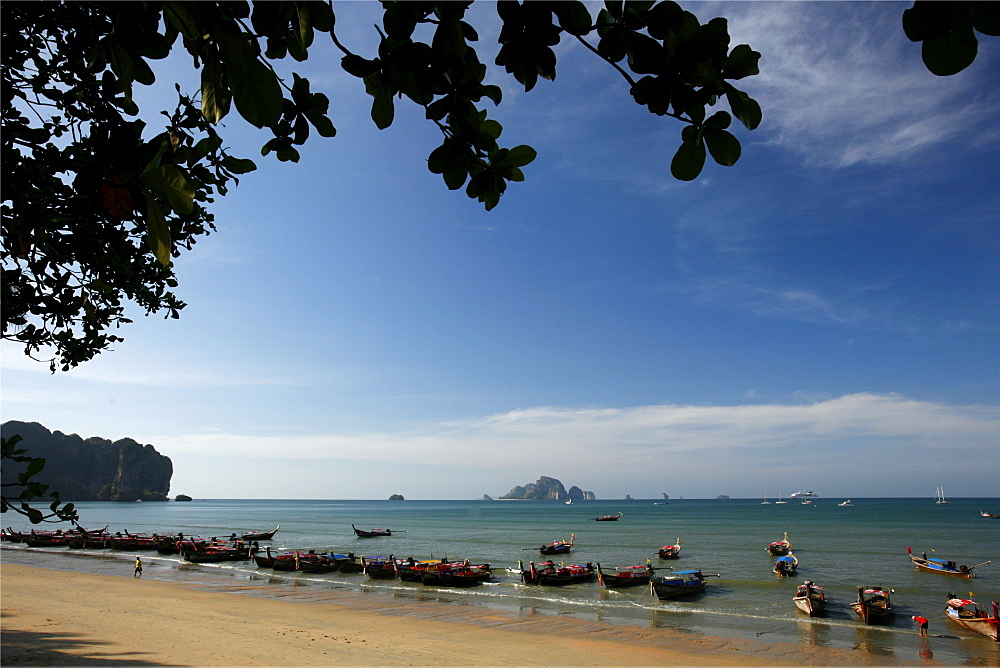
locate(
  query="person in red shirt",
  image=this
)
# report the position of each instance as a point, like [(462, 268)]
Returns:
[(921, 623)]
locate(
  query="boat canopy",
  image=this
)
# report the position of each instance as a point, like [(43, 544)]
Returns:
[(786, 559), (960, 602)]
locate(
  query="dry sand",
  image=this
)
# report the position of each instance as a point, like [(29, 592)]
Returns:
[(68, 618)]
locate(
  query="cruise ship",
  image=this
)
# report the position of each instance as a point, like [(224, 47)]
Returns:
[(804, 495)]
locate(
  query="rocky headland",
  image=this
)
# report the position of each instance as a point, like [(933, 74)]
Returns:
[(548, 489)]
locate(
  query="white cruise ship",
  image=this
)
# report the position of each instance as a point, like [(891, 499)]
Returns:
[(804, 495)]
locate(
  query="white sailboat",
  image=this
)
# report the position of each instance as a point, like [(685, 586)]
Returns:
[(763, 499), (780, 500), (939, 497)]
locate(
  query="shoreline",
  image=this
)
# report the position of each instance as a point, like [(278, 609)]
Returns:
[(52, 617)]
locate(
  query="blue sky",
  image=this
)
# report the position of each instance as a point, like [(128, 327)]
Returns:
[(823, 315)]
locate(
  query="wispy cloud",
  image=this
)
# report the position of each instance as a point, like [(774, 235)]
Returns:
[(720, 441)]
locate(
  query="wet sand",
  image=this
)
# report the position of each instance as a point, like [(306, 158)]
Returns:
[(66, 618)]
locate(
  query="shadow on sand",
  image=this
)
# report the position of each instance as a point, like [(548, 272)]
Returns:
[(38, 648)]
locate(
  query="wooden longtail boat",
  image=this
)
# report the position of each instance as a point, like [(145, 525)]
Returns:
[(670, 551), (625, 576), (966, 612), (371, 533), (786, 565), (608, 518), (549, 574), (559, 546), (810, 599), (312, 562), (456, 574), (678, 583), (380, 568), (131, 542), (411, 570), (350, 563), (259, 535), (943, 566), (45, 538), (988, 514), (873, 604), (779, 547)]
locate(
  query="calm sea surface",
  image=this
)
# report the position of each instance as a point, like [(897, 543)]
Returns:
[(839, 548)]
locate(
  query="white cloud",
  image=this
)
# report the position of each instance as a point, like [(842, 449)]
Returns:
[(719, 441)]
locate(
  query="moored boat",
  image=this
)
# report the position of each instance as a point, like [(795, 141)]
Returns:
[(779, 547), (551, 574), (966, 612), (810, 599), (942, 566), (259, 535), (455, 574), (625, 576), (380, 568), (608, 518), (371, 533), (678, 583), (559, 546), (873, 605), (846, 504), (670, 551), (785, 565), (989, 514)]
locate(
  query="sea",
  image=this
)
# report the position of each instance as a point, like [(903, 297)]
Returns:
[(839, 548)]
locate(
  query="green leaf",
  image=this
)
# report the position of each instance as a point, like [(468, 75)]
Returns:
[(382, 109), (157, 231), (169, 182), (491, 128), (34, 466), (238, 165), (724, 147), (215, 97), (951, 53), (745, 108), (741, 62), (574, 17), (358, 66), (519, 156), (689, 159), (256, 92)]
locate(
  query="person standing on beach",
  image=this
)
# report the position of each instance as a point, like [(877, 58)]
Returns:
[(138, 567), (921, 624)]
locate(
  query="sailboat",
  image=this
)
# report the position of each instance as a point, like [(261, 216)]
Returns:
[(780, 500), (763, 499), (939, 497)]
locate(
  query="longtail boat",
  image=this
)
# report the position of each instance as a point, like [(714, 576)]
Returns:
[(313, 562), (942, 566), (371, 533), (350, 563), (625, 576), (966, 612), (873, 604), (559, 546), (259, 535), (779, 547), (550, 574), (679, 583), (411, 570), (810, 599), (380, 568), (670, 551), (608, 518), (455, 574), (985, 513), (786, 565)]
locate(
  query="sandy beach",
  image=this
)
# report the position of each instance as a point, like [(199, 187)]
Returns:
[(67, 618)]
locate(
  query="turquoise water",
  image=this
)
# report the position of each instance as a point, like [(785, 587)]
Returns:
[(839, 548)]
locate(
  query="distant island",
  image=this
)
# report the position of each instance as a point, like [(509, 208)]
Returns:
[(94, 469), (396, 497), (183, 497), (487, 497), (548, 489)]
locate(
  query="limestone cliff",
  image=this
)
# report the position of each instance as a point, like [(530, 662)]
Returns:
[(94, 469), (547, 489)]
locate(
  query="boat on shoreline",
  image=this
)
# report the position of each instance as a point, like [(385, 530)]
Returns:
[(873, 605), (967, 613), (678, 583), (942, 566), (625, 576), (810, 599), (550, 574)]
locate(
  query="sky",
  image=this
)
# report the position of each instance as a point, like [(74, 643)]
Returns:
[(823, 315)]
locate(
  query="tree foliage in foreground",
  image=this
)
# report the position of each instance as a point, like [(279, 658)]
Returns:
[(96, 204)]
